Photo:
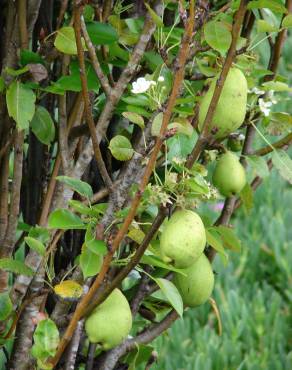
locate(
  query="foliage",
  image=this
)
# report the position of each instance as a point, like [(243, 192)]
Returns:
[(100, 144)]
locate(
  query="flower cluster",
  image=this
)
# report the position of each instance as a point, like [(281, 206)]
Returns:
[(142, 85)]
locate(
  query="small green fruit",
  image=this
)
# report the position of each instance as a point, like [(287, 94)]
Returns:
[(229, 175), (183, 238), (110, 323), (231, 108), (235, 142), (196, 287)]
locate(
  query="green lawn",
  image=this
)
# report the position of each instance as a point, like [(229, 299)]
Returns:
[(252, 295)]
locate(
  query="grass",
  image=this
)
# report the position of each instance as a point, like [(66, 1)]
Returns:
[(252, 293)]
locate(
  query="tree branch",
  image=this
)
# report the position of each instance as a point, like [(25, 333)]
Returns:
[(286, 140), (147, 336), (87, 106), (95, 63), (205, 136), (84, 159)]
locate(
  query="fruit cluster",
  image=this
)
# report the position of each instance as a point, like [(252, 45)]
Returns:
[(182, 243)]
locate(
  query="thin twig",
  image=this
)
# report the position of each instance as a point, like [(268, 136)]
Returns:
[(182, 58), (147, 336), (286, 140), (95, 63), (204, 136), (87, 106)]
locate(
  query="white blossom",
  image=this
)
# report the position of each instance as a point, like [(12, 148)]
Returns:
[(140, 86), (257, 91), (160, 78), (265, 106), (272, 97)]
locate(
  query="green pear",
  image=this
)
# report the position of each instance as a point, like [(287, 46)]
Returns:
[(231, 108), (235, 142), (110, 322), (183, 238), (229, 175), (197, 285)]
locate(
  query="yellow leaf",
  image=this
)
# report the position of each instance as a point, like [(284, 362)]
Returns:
[(68, 289)]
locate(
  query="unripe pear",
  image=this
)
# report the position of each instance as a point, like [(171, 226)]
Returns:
[(110, 323), (229, 175), (183, 238), (235, 142), (197, 285), (231, 108)]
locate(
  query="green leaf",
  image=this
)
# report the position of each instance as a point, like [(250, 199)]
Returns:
[(138, 356), (246, 196), (264, 26), (135, 118), (273, 5), (90, 262), (65, 41), (17, 267), (287, 21), (16, 72), (6, 306), (182, 125), (20, 104), (216, 242), (36, 245), (72, 82), (2, 84), (94, 245), (218, 36), (136, 234), (172, 294), (46, 339), (156, 124), (276, 86), (27, 56), (259, 164), (39, 233), (157, 262), (101, 33), (80, 207), (283, 163), (77, 185), (156, 19), (121, 148), (43, 126), (65, 220), (280, 122), (88, 13), (229, 238)]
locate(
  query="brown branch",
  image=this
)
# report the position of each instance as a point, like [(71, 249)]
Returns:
[(231, 203), (63, 131), (205, 136), (72, 350), (95, 63), (74, 119), (277, 49), (62, 11), (131, 265), (8, 242), (87, 106), (286, 140), (22, 17), (147, 336), (135, 202), (117, 91)]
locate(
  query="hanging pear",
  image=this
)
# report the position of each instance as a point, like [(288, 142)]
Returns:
[(229, 175), (183, 238), (197, 285), (110, 323), (231, 108)]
